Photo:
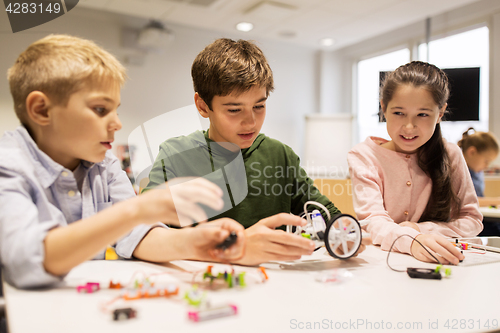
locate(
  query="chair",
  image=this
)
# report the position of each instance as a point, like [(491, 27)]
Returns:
[(339, 191)]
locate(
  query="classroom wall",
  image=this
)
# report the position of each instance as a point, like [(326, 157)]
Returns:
[(307, 81), (163, 82), (495, 78), (341, 63)]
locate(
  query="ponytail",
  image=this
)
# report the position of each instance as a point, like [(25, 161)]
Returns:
[(482, 141), (434, 160)]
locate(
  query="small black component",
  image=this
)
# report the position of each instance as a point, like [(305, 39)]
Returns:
[(230, 240), (124, 313), (423, 273), (321, 235)]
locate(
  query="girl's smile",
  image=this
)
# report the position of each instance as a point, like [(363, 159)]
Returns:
[(411, 117)]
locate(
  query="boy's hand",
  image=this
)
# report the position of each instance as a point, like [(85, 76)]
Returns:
[(441, 248), (264, 243), (364, 242), (177, 204), (205, 237)]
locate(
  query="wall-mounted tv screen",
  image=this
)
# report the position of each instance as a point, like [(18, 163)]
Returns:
[(463, 103)]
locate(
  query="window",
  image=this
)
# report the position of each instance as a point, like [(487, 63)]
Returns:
[(368, 91), (464, 50)]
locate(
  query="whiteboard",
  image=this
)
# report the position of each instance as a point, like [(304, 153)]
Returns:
[(328, 139)]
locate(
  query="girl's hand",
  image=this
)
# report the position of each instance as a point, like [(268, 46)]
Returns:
[(177, 201), (441, 248), (412, 225)]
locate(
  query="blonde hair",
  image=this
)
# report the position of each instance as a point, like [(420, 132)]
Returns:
[(58, 66), (482, 141)]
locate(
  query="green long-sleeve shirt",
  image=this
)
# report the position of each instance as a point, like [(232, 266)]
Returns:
[(260, 181)]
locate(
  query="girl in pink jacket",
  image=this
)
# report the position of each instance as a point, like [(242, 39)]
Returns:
[(417, 183)]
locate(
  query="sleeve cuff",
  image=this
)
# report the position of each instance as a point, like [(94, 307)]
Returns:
[(125, 247)]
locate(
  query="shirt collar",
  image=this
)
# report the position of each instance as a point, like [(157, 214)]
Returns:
[(46, 169)]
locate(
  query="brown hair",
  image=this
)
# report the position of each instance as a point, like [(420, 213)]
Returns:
[(483, 141), (433, 157), (226, 66), (58, 66)]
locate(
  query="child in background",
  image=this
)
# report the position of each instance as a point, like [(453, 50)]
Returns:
[(63, 195), (416, 184), (479, 149)]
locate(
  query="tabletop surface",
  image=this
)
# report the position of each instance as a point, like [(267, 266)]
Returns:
[(368, 296), (490, 212)]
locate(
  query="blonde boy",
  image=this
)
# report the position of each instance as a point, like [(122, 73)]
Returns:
[(63, 195)]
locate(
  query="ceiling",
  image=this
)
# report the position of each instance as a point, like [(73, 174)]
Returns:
[(303, 22)]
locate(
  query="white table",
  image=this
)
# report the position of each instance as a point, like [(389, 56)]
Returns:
[(375, 297), (490, 212)]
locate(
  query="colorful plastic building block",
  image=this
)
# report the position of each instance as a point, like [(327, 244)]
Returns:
[(110, 254), (124, 314), (150, 291), (231, 279), (263, 273), (113, 285), (213, 312), (195, 296), (88, 288)]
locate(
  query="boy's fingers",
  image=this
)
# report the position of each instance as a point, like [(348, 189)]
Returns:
[(285, 249), (198, 194), (192, 211), (229, 224), (200, 198), (283, 257), (292, 241), (282, 219), (194, 184)]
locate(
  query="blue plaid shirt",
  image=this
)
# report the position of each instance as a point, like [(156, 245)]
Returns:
[(37, 194)]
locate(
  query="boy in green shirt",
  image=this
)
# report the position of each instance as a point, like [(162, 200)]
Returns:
[(262, 177)]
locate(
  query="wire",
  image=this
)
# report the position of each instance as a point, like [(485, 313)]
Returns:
[(416, 240), (317, 204)]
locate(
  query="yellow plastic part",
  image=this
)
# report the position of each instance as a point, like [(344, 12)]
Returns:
[(110, 254)]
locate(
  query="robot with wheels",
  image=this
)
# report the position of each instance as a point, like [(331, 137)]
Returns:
[(341, 235)]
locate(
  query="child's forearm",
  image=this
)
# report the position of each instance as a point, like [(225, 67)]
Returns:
[(67, 247), (162, 245)]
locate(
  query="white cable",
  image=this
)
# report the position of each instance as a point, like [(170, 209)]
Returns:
[(318, 205)]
